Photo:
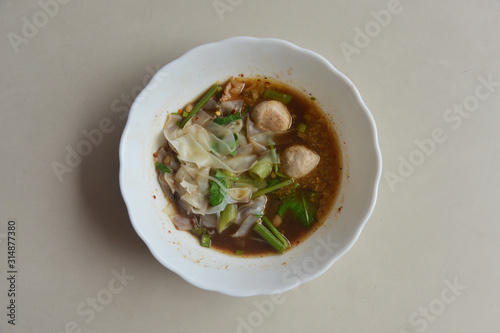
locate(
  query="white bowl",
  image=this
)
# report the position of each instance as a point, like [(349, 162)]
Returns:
[(187, 77)]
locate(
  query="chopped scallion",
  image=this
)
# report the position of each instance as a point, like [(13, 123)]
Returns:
[(301, 127), (205, 240), (239, 252), (197, 231)]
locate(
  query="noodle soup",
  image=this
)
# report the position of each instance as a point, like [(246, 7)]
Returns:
[(252, 167)]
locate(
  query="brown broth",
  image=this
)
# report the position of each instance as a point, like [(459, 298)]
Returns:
[(325, 179)]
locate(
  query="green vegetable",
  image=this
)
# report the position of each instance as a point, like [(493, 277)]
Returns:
[(162, 167), (236, 141), (239, 252), (284, 98), (281, 175), (301, 205), (261, 170), (228, 119), (269, 237), (197, 231), (229, 175), (216, 194), (301, 127), (247, 180), (222, 177), (272, 188), (227, 217), (274, 181), (245, 111), (185, 114), (199, 105), (313, 98), (205, 240), (274, 156), (275, 232)]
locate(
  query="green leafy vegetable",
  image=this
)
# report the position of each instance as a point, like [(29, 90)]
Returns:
[(301, 205), (162, 167), (284, 98), (199, 105), (228, 119), (216, 194)]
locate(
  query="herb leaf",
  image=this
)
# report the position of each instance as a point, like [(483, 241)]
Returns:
[(216, 194), (301, 205), (228, 119), (162, 167)]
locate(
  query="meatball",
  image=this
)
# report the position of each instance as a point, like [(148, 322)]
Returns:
[(298, 161), (272, 115)]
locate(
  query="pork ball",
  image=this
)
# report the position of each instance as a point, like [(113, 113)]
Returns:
[(298, 161), (272, 115)]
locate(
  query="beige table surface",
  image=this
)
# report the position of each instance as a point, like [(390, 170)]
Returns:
[(428, 259)]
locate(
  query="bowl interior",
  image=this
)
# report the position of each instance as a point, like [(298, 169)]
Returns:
[(185, 78)]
